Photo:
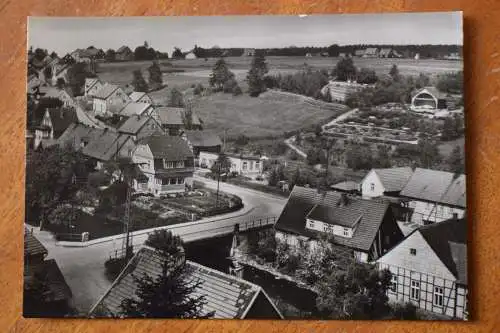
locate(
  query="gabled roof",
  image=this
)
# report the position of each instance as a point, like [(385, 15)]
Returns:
[(136, 95), (385, 51), (371, 50), (348, 185), (62, 118), (32, 246), (448, 239), (394, 179), (436, 186), (54, 92), (431, 90), (134, 109), (106, 91), (106, 146), (76, 134), (203, 138), (359, 52), (171, 148), (174, 116), (134, 124), (226, 296), (346, 216), (302, 200)]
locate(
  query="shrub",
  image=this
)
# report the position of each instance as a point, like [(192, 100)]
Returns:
[(113, 267), (406, 311), (198, 89), (237, 90)]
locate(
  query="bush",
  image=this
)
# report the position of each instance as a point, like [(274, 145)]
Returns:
[(237, 90), (198, 89), (406, 311), (113, 267)]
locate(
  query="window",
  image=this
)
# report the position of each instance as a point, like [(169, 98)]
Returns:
[(168, 164), (372, 187), (394, 283), (415, 290), (413, 252), (310, 224), (251, 165), (346, 232), (180, 180), (244, 167), (438, 296), (257, 164), (158, 181)]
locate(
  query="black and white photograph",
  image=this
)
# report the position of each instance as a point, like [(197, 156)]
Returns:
[(246, 167)]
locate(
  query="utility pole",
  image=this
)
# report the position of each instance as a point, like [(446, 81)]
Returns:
[(218, 182)]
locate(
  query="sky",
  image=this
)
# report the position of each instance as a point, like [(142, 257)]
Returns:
[(65, 34)]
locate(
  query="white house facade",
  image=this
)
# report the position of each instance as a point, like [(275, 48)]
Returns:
[(250, 166)]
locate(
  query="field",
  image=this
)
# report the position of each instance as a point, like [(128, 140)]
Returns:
[(184, 73), (269, 114)]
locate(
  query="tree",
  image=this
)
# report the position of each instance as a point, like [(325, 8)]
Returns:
[(383, 159), (40, 54), (49, 181), (429, 154), (451, 83), (455, 161), (367, 76), (222, 165), (187, 117), (177, 54), (220, 75), (60, 83), (255, 76), (138, 82), (394, 73), (345, 70), (171, 293), (47, 72), (155, 75), (77, 74), (176, 98), (356, 292), (110, 55), (275, 175), (359, 157)]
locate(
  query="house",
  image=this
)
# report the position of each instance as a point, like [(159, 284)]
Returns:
[(385, 182), (364, 228), (92, 86), (82, 55), (248, 52), (107, 146), (61, 94), (434, 196), (57, 294), (165, 163), (359, 53), (348, 186), (139, 126), (55, 121), (140, 97), (206, 141), (60, 71), (388, 53), (428, 100), (79, 135), (124, 53), (109, 97), (429, 269), (226, 296), (242, 164), (134, 109), (370, 52), (172, 119), (340, 90)]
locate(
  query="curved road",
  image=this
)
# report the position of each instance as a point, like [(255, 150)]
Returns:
[(83, 267)]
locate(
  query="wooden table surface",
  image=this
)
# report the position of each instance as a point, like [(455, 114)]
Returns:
[(482, 77)]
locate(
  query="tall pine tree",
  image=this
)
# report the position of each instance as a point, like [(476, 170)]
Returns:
[(255, 76), (138, 82), (220, 75), (155, 76)]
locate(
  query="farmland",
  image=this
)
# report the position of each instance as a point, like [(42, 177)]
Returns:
[(270, 114)]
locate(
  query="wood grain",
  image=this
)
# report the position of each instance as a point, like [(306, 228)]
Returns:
[(482, 74)]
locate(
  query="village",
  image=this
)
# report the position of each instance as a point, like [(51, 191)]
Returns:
[(252, 175)]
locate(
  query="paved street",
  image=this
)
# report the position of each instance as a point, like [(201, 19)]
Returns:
[(83, 268)]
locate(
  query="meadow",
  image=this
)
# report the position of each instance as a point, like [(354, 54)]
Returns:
[(269, 114)]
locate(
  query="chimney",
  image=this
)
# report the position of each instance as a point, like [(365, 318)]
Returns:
[(344, 200)]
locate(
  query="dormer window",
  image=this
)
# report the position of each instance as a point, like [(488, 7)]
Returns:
[(346, 232)]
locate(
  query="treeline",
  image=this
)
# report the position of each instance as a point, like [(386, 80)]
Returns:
[(306, 82), (334, 50)]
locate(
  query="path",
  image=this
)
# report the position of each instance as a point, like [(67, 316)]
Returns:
[(339, 118)]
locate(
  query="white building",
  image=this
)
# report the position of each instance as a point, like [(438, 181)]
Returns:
[(165, 165), (429, 269), (245, 165), (108, 99), (389, 181)]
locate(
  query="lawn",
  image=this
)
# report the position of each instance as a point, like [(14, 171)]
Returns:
[(270, 114)]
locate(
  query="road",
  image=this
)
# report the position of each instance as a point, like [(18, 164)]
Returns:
[(83, 267), (339, 118)]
